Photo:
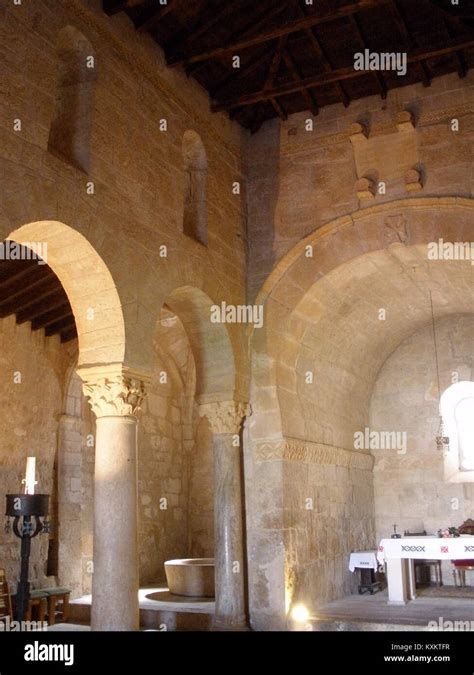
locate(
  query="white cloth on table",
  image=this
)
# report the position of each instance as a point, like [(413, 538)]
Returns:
[(431, 548), (363, 559)]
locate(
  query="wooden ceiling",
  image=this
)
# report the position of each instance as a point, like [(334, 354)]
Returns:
[(34, 293), (296, 56)]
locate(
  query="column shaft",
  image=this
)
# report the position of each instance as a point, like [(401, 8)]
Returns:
[(228, 532), (115, 580)]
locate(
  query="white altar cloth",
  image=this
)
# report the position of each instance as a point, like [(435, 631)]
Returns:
[(398, 556)]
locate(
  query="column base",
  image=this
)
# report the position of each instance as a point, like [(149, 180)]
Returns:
[(237, 625)]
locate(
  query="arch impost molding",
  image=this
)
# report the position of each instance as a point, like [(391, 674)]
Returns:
[(114, 389), (296, 450), (225, 417)]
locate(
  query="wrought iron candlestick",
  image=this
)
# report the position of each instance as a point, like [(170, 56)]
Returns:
[(29, 514)]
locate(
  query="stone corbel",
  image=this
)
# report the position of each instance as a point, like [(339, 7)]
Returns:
[(405, 121), (365, 188), (413, 180), (113, 391), (225, 417), (358, 133)]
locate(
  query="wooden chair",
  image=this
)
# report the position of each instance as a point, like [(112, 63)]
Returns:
[(461, 566), (5, 599), (427, 565), (58, 604)]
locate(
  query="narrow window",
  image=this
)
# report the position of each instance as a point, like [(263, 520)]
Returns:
[(195, 177), (69, 136)]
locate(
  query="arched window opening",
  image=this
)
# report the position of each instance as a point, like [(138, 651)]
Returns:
[(195, 177), (457, 409), (69, 136)]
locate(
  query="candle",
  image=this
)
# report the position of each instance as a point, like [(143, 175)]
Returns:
[(29, 480)]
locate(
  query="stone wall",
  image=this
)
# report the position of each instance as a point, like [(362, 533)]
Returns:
[(410, 488), (299, 179), (131, 201), (32, 370)]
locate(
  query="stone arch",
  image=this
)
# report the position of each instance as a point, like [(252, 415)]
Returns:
[(394, 234), (69, 135), (210, 344), (195, 176), (89, 286), (321, 315)]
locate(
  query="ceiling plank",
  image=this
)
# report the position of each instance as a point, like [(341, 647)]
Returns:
[(273, 72), (183, 38), (334, 76), (112, 7), (405, 33), (292, 67), (42, 307), (286, 29), (48, 318), (245, 72), (251, 29), (60, 326), (321, 54), (382, 87), (150, 23)]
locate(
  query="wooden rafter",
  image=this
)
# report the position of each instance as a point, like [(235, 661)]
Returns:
[(273, 72), (293, 69), (186, 37), (243, 73), (462, 66), (334, 76), (239, 44), (115, 6), (321, 54), (409, 45), (251, 29), (158, 13), (382, 87)]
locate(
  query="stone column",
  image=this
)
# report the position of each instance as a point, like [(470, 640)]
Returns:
[(225, 418), (115, 399)]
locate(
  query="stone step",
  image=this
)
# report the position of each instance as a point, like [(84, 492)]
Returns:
[(348, 625), (150, 619)]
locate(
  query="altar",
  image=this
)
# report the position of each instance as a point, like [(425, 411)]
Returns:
[(398, 555)]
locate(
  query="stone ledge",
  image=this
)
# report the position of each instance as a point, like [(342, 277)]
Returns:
[(296, 450)]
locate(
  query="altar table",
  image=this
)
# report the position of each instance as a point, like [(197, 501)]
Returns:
[(399, 554)]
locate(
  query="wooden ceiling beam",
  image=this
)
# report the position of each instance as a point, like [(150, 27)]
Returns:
[(153, 19), (321, 54), (273, 72), (183, 38), (15, 298), (112, 7), (234, 47), (60, 326), (48, 318), (382, 87), (462, 66), (249, 30), (334, 76), (26, 307), (405, 34), (22, 275), (293, 69), (43, 307), (244, 73)]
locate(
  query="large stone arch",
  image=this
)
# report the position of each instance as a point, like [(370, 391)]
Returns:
[(394, 232), (321, 317), (210, 344), (88, 284)]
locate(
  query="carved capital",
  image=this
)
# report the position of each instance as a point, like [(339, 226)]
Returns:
[(113, 393), (225, 417)]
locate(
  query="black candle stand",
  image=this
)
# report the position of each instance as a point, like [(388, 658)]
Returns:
[(29, 513)]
